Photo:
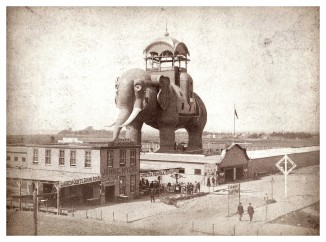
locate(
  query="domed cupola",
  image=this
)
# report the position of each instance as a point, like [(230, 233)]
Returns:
[(166, 53)]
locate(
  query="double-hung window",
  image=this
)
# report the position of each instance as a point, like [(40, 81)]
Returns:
[(88, 159), (47, 157), (110, 158), (122, 157), (61, 157), (132, 157), (35, 156), (72, 158)]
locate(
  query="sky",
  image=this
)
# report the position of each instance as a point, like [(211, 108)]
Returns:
[(62, 64)]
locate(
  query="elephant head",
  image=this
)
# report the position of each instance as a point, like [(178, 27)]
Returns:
[(140, 97)]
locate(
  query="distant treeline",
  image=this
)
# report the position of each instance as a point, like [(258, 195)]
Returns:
[(88, 131), (292, 135)]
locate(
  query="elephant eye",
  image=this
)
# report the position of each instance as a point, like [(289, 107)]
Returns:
[(138, 88)]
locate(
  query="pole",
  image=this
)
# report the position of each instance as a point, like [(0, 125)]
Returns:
[(239, 193), (113, 215), (20, 194), (233, 123), (272, 181), (285, 176), (228, 203), (35, 210)]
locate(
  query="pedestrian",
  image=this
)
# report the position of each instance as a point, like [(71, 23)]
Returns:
[(213, 181), (208, 182), (251, 212), (240, 211), (152, 195), (198, 186)]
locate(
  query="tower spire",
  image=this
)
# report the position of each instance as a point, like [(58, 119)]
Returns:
[(166, 28)]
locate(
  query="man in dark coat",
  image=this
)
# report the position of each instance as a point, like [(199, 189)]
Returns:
[(251, 211), (240, 211), (152, 195)]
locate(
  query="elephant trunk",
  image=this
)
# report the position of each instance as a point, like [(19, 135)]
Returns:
[(123, 116)]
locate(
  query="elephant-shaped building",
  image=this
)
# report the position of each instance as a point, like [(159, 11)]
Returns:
[(161, 96)]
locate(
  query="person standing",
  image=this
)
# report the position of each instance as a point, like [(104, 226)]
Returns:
[(208, 182), (240, 211), (251, 212), (152, 195), (198, 186)]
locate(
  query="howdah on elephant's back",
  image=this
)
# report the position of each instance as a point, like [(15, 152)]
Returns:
[(161, 96)]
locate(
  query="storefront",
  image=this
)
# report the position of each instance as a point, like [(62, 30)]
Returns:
[(234, 165)]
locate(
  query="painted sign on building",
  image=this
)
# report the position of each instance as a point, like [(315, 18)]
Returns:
[(158, 173), (74, 182)]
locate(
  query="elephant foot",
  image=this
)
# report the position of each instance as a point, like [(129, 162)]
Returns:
[(195, 143)]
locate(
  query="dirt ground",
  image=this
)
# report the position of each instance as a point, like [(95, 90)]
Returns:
[(207, 215)]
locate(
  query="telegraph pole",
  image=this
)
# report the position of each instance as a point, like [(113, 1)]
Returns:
[(35, 210)]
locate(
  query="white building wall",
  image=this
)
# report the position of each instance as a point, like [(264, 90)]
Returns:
[(18, 152), (80, 160)]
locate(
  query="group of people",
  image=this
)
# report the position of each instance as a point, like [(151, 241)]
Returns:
[(250, 211), (212, 182)]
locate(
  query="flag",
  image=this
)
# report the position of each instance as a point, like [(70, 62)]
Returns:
[(235, 113)]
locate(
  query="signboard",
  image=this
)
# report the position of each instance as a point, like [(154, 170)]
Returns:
[(119, 171), (210, 169), (234, 190), (74, 182), (158, 173), (282, 165)]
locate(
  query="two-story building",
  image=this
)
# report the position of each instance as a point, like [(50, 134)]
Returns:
[(76, 173)]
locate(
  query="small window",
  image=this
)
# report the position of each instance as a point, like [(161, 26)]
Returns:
[(132, 157), (16, 158), (35, 156), (182, 170), (61, 158), (47, 157), (88, 159), (110, 158), (23, 159), (72, 158), (197, 171), (122, 157)]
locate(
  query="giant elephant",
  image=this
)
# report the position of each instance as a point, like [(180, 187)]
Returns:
[(161, 104)]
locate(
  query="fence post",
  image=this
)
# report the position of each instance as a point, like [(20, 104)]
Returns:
[(73, 211), (127, 217), (86, 213), (113, 215), (101, 214)]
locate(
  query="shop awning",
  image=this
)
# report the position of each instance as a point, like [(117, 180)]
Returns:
[(62, 178)]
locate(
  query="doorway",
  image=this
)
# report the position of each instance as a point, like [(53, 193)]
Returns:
[(109, 193)]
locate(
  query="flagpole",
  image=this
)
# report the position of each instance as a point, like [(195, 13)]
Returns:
[(233, 123)]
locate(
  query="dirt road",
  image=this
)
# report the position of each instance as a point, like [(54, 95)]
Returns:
[(206, 215)]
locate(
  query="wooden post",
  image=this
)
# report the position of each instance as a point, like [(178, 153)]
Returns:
[(101, 214), (73, 211), (113, 215), (58, 198), (127, 217), (37, 193), (86, 213), (239, 192), (35, 210), (20, 194)]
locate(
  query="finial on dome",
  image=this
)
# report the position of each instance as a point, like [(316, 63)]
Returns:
[(166, 28)]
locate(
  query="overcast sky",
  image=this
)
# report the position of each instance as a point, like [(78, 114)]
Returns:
[(62, 64)]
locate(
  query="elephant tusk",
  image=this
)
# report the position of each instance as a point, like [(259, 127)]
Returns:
[(110, 124), (132, 116)]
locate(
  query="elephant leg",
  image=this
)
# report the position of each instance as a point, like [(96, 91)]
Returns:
[(195, 141), (134, 132), (167, 138)]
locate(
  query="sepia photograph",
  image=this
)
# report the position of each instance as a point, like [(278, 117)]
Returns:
[(162, 120)]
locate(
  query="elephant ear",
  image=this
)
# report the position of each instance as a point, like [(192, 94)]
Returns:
[(164, 92)]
